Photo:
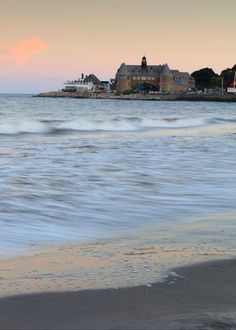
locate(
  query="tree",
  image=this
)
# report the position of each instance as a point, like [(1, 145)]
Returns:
[(204, 78), (228, 76), (215, 81)]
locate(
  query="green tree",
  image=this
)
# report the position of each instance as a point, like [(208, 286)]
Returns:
[(215, 82), (204, 78), (228, 76)]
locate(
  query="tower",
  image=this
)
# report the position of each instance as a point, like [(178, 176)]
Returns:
[(144, 63)]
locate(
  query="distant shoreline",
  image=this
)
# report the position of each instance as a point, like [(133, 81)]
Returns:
[(142, 97)]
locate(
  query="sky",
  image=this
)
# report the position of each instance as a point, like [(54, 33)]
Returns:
[(46, 42)]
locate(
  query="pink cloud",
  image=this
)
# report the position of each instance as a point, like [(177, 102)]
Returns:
[(22, 51)]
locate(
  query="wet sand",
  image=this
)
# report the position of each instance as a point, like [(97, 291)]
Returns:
[(127, 283), (201, 296), (144, 259)]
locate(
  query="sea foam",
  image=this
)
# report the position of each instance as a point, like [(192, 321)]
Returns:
[(109, 124)]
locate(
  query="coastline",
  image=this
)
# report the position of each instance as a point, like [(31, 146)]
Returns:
[(142, 97), (194, 297)]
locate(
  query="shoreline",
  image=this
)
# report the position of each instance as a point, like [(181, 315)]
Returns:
[(120, 262), (201, 296), (175, 278), (142, 97)]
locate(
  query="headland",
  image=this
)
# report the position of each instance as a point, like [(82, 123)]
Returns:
[(148, 82)]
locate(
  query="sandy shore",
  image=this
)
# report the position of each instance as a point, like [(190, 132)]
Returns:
[(197, 297), (111, 285), (143, 259)]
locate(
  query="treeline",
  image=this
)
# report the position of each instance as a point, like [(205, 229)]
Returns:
[(207, 78)]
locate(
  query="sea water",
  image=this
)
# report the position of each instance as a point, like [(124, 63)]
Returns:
[(80, 170)]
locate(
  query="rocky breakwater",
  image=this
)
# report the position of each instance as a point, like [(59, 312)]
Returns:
[(143, 97), (112, 96), (56, 94)]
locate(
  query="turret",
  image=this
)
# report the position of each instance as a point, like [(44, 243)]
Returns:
[(144, 63)]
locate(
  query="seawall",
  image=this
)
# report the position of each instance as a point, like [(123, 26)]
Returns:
[(143, 97)]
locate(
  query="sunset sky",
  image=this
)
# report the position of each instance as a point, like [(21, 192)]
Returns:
[(45, 42)]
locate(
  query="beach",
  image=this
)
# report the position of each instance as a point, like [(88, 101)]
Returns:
[(160, 280), (110, 197), (197, 297), (141, 259), (117, 165)]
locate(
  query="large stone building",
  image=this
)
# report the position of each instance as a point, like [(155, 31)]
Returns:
[(146, 78)]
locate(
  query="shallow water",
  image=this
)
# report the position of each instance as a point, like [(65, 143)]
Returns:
[(91, 170)]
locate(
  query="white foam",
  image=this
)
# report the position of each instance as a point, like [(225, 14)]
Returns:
[(127, 124), (92, 125), (107, 124), (174, 123), (25, 126)]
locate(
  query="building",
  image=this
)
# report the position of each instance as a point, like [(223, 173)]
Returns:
[(80, 85), (151, 78), (87, 84)]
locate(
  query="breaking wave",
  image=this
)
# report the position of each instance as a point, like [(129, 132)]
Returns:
[(112, 124)]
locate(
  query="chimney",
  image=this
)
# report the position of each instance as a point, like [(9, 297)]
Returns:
[(82, 76)]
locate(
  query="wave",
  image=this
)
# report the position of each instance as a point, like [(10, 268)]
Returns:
[(24, 126), (112, 124)]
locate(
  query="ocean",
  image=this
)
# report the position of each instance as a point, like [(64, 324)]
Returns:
[(80, 170)]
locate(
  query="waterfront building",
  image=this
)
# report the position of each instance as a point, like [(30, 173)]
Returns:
[(80, 85), (87, 84), (151, 78)]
